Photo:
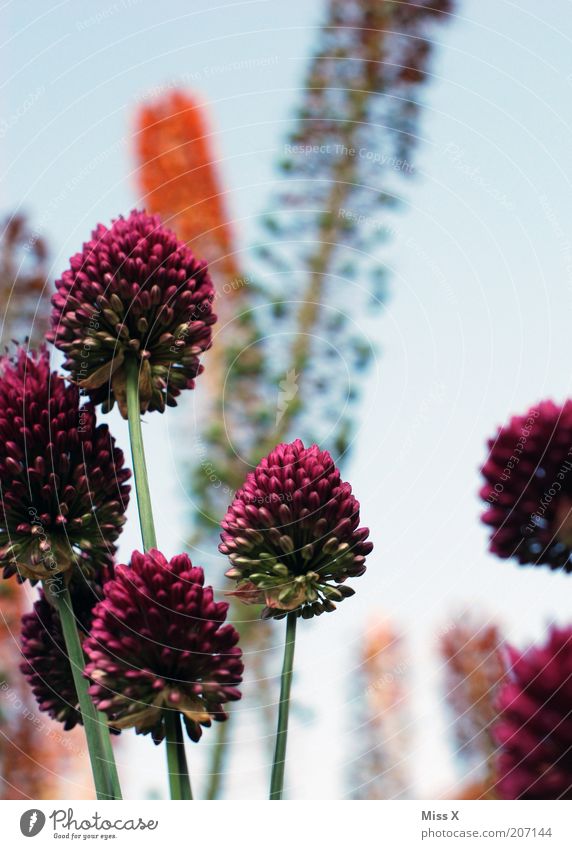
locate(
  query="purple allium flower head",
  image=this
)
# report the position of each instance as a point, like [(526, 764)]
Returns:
[(46, 665), (158, 642), (62, 479), (135, 291), (292, 533), (528, 487), (534, 730)]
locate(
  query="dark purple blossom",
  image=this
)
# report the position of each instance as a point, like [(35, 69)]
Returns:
[(534, 730), (62, 479), (158, 643), (135, 291), (528, 487), (292, 533)]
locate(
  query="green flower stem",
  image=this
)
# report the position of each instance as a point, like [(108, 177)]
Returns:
[(176, 760), (108, 756), (138, 456), (277, 779), (216, 771), (179, 780), (102, 762)]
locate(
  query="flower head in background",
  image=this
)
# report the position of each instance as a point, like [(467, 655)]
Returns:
[(474, 667), (292, 533), (46, 664), (63, 481), (534, 731), (135, 291), (158, 643), (528, 487)]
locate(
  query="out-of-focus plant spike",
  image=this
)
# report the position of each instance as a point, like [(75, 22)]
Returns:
[(356, 131), (178, 177), (297, 366), (24, 293), (474, 668), (381, 770)]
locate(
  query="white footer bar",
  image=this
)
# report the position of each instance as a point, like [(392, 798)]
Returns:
[(387, 825)]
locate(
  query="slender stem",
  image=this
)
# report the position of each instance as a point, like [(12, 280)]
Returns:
[(109, 757), (179, 780), (176, 759), (104, 785), (277, 779), (216, 772), (138, 455)]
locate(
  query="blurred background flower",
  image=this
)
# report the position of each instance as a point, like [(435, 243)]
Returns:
[(24, 283), (534, 730), (179, 176), (528, 487), (380, 766), (474, 668)]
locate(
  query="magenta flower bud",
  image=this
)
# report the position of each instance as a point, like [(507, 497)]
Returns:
[(534, 730), (135, 291), (63, 481), (158, 642), (528, 487), (292, 534)]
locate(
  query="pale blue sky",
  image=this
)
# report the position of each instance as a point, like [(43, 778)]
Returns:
[(478, 325)]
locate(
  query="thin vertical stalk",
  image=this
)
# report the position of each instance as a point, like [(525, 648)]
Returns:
[(138, 456), (102, 763), (179, 780), (216, 772), (277, 779), (108, 756)]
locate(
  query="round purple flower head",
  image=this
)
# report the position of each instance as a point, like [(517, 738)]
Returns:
[(46, 664), (158, 642), (292, 534), (528, 487), (62, 479), (135, 291), (534, 731)]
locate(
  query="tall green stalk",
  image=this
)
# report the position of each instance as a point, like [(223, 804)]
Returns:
[(138, 456), (95, 725), (216, 768), (108, 755), (179, 780), (277, 779)]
